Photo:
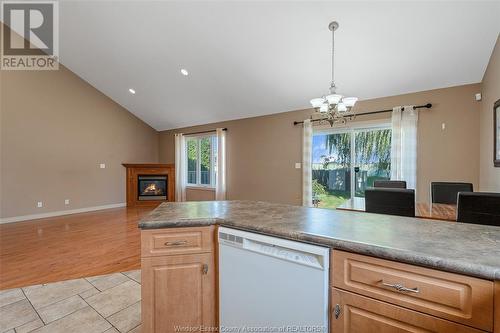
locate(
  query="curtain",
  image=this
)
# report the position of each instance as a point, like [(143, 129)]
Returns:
[(307, 164), (220, 178), (404, 145), (180, 167)]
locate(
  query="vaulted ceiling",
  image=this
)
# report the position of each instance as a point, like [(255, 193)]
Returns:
[(253, 58)]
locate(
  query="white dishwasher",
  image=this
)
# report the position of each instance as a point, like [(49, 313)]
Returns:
[(269, 284)]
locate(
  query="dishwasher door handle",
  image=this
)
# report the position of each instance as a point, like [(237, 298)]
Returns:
[(283, 253)]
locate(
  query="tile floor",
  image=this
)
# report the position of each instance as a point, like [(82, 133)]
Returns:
[(106, 303)]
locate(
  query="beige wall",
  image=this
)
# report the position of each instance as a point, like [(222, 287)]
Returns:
[(55, 131), (489, 176), (262, 151), (195, 194)]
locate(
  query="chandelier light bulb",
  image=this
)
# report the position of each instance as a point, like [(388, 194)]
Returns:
[(341, 107), (333, 98), (317, 102), (349, 101)]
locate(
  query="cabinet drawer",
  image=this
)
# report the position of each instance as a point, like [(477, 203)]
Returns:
[(161, 242), (358, 314), (451, 296)]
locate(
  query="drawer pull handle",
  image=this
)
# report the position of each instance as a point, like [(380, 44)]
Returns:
[(176, 243), (400, 287), (337, 311)]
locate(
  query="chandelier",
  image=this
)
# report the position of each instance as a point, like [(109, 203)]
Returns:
[(335, 107)]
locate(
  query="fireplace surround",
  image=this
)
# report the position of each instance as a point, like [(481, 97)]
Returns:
[(149, 184)]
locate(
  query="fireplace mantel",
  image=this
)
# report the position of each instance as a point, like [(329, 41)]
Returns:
[(147, 165), (134, 170)]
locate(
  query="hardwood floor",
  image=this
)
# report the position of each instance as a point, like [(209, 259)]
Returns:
[(70, 246)]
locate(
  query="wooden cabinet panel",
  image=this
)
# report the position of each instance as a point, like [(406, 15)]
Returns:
[(178, 291), (454, 297), (359, 314), (496, 315), (161, 242)]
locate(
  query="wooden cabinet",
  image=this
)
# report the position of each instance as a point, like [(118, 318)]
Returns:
[(179, 273), (454, 297), (355, 313), (380, 295), (178, 289)]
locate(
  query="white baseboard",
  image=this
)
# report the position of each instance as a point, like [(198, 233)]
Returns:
[(58, 213)]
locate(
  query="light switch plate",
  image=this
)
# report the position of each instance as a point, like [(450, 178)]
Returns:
[(66, 201), (102, 166), (443, 126), (298, 165), (39, 204)]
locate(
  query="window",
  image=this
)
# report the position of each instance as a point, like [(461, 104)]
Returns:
[(346, 161), (201, 154)]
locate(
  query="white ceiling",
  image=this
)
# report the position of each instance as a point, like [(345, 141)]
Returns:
[(254, 58)]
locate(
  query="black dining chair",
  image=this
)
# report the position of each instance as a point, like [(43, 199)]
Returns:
[(390, 183), (446, 192), (479, 208), (390, 201)]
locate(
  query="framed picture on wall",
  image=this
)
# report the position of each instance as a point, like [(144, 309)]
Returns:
[(496, 133)]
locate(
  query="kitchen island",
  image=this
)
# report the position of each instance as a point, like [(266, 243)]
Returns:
[(457, 266)]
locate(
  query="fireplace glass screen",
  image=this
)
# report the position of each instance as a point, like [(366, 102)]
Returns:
[(152, 187)]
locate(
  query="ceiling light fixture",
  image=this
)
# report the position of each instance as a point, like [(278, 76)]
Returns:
[(184, 72), (132, 91), (337, 108)]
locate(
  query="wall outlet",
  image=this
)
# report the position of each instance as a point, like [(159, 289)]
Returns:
[(39, 204), (298, 165), (102, 166), (66, 201), (443, 126)]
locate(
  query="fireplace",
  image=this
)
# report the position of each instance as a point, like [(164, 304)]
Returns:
[(152, 187), (149, 184)]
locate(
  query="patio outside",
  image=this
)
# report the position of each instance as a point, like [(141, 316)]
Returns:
[(332, 167)]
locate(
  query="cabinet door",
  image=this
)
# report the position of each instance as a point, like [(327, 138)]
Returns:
[(178, 293), (358, 314)]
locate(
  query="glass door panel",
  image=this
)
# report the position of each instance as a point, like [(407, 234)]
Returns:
[(372, 158), (331, 169), (205, 157)]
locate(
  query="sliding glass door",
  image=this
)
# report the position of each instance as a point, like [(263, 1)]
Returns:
[(331, 169), (372, 158), (347, 161)]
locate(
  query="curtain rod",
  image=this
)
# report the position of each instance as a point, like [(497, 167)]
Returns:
[(202, 132), (427, 106)]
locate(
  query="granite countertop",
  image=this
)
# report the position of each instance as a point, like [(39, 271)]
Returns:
[(455, 247)]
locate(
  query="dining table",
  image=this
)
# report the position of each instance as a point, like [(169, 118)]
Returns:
[(435, 211)]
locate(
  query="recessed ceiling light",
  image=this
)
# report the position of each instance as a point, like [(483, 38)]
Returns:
[(132, 91), (184, 72)]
